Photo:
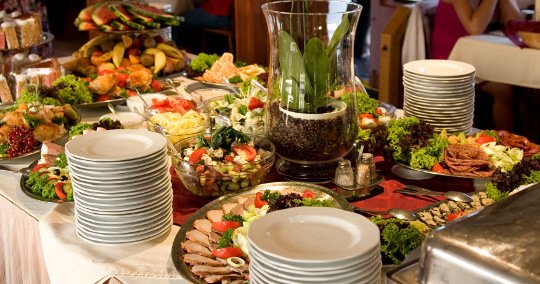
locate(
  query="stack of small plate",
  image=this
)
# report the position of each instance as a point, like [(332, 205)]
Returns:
[(441, 93), (314, 245), (121, 186)]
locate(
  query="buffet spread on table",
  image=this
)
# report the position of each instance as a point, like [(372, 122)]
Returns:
[(141, 162)]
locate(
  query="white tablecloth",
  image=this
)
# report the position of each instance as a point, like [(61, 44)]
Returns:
[(38, 242), (497, 59)]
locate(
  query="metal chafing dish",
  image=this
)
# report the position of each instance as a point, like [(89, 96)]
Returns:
[(498, 244)]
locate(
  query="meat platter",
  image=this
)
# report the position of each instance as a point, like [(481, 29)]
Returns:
[(179, 251)]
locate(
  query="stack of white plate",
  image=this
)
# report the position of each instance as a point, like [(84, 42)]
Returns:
[(440, 92), (314, 245), (121, 186)]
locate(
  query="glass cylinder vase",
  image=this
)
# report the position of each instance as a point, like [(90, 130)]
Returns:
[(311, 104)]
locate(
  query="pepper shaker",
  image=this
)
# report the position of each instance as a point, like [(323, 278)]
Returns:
[(365, 169), (344, 173)]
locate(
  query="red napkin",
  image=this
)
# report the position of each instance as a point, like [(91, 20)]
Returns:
[(390, 199)]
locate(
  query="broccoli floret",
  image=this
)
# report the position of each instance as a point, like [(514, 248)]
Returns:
[(61, 161), (51, 101)]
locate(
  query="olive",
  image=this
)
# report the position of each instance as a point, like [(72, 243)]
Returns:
[(63, 178), (56, 172)]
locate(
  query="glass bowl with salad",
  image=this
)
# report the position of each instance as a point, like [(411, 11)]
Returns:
[(178, 117), (245, 113), (227, 161)]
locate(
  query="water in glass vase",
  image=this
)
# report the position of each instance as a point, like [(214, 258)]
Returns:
[(311, 62)]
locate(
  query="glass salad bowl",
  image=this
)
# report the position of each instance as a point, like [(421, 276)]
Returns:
[(219, 170)]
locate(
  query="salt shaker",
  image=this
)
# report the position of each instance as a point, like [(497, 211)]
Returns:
[(365, 169), (344, 173)]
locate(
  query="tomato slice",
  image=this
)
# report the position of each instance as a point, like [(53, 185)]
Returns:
[(102, 98), (255, 103), (196, 156), (223, 226), (39, 166), (160, 103), (482, 139), (437, 168), (258, 201), (245, 151), (227, 252), (59, 190), (308, 194), (366, 115), (453, 216), (105, 72), (229, 158), (156, 86), (121, 79)]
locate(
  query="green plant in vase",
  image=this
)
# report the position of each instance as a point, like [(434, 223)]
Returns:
[(311, 58)]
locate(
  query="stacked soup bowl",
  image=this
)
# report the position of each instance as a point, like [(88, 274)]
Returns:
[(440, 92), (314, 245), (121, 186)]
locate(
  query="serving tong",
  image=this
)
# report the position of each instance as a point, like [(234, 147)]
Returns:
[(451, 195)]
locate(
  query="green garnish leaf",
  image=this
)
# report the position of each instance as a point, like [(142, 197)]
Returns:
[(226, 239), (232, 217)]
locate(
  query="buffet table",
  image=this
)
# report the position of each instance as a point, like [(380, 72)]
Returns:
[(39, 243), (497, 59)]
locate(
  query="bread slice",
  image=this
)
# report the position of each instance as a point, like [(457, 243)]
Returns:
[(11, 35), (5, 93)]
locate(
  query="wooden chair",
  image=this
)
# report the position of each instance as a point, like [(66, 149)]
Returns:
[(228, 32)]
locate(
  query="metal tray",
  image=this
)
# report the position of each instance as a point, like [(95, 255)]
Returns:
[(177, 252)]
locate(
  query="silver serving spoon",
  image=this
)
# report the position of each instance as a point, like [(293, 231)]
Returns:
[(395, 212), (360, 85), (452, 195), (113, 111), (230, 86), (160, 129), (258, 85)]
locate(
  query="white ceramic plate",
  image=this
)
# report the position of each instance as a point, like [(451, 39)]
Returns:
[(441, 80), (126, 233), (439, 68), (313, 234), (157, 201), (105, 166), (432, 84), (136, 203), (134, 176), (124, 218), (141, 167), (120, 196), (124, 225), (455, 103), (116, 145), (121, 186), (280, 265), (122, 241), (359, 273)]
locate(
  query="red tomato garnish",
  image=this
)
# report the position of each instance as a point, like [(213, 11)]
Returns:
[(156, 86), (121, 79), (59, 190), (227, 252), (366, 115), (308, 194), (88, 79), (245, 151), (196, 156), (173, 105), (255, 103), (39, 166), (223, 226), (484, 139), (258, 201), (199, 169), (159, 103), (453, 216), (229, 158), (131, 93), (437, 168), (102, 98), (104, 72)]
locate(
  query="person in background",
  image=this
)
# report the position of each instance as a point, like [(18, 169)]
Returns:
[(458, 18), (202, 14)]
